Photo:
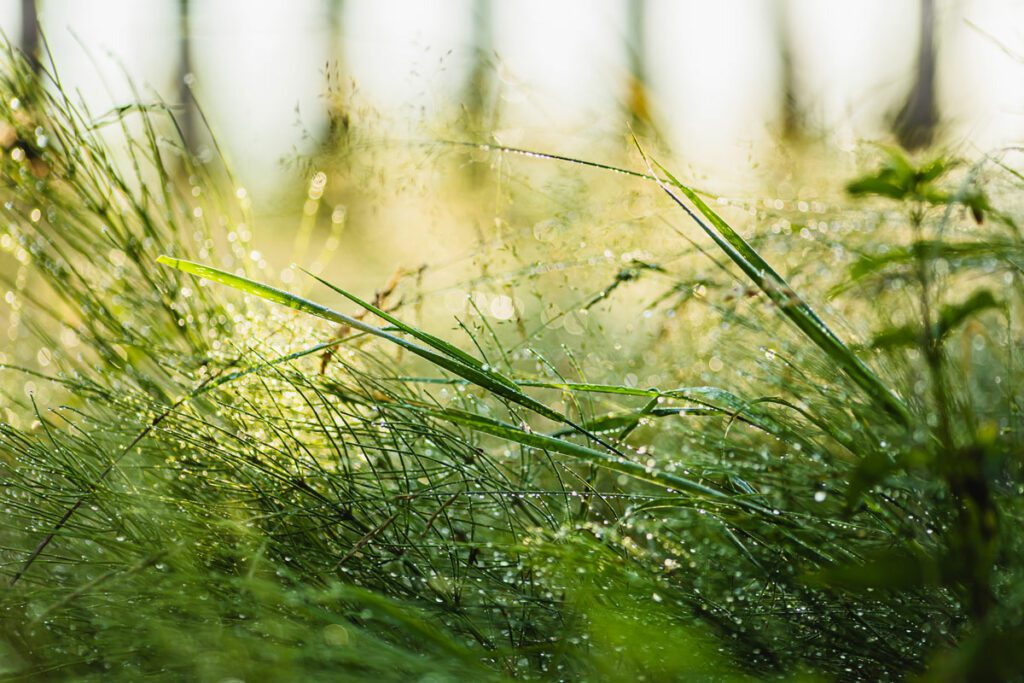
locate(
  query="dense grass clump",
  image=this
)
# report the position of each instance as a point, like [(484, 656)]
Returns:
[(203, 481)]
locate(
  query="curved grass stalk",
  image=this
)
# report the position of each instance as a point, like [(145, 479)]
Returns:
[(753, 266), (449, 359), (781, 294)]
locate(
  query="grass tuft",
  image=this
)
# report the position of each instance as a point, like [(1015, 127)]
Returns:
[(665, 465)]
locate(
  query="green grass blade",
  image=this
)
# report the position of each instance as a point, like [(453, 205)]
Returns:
[(713, 400), (472, 373), (430, 340), (788, 301), (619, 464)]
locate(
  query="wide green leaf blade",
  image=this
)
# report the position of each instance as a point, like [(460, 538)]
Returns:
[(473, 374), (425, 337)]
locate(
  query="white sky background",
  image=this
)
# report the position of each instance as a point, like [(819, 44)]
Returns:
[(562, 68), (260, 70), (713, 64), (715, 73), (408, 55)]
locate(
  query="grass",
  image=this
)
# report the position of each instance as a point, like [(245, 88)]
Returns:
[(824, 483)]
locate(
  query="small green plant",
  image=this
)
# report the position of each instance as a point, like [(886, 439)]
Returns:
[(959, 447)]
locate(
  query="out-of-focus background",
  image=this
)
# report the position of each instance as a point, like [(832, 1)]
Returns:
[(332, 114), (721, 82)]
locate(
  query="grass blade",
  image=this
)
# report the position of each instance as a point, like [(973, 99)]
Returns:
[(788, 301), (619, 464), (430, 340), (473, 373)]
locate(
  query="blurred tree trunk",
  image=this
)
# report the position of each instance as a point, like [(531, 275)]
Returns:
[(480, 111), (915, 123), (792, 116), (637, 96), (479, 100), (30, 32), (187, 119)]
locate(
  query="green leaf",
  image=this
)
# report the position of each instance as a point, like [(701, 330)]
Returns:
[(951, 317), (895, 569), (897, 337), (629, 420), (899, 179), (963, 252), (882, 184), (870, 470)]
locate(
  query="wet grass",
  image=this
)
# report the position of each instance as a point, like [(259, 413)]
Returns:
[(823, 482)]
